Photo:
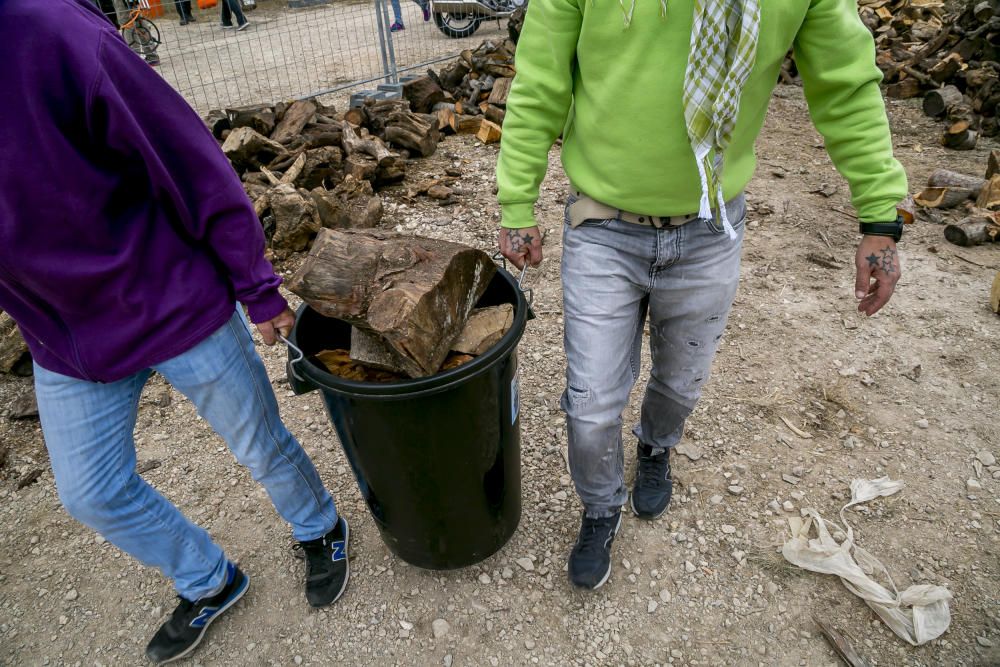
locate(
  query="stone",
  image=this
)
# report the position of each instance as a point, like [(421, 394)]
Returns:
[(440, 627), (922, 423), (72, 595), (529, 644), (986, 458), (973, 485), (689, 567), (788, 506), (727, 529), (560, 496), (693, 452), (507, 573), (664, 596), (716, 500), (985, 642), (297, 660), (484, 578), (735, 489), (525, 564), (791, 479), (406, 625), (448, 660), (651, 607), (63, 620)]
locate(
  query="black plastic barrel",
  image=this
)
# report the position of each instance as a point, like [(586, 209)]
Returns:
[(437, 459)]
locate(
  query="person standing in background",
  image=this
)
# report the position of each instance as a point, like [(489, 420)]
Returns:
[(184, 11), (229, 9)]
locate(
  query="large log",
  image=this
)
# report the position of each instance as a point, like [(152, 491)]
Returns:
[(260, 117), (942, 101), (322, 166), (352, 205), (370, 350), (974, 230), (296, 220), (298, 114), (945, 178), (960, 136), (417, 132), (13, 349), (489, 132), (943, 197), (218, 122), (415, 293), (245, 147), (501, 88), (359, 141), (422, 94)]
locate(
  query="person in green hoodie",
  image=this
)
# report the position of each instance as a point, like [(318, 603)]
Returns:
[(659, 103)]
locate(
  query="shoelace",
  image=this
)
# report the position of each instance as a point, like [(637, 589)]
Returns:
[(651, 471), (315, 556), (596, 532)]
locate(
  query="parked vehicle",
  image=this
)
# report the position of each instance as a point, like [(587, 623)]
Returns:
[(462, 18)]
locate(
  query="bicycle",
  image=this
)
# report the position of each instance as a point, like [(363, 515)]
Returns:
[(140, 33)]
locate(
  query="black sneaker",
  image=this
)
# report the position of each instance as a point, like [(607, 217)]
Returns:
[(653, 486), (590, 560), (327, 569), (179, 636)]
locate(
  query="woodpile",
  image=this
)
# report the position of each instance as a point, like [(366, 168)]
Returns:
[(14, 355), (410, 300), (948, 58), (977, 199)]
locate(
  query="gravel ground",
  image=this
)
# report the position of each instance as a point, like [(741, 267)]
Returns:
[(911, 393)]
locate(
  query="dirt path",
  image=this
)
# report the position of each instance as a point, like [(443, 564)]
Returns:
[(912, 393)]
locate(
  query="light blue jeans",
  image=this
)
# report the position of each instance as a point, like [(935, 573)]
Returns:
[(88, 431), (614, 274)]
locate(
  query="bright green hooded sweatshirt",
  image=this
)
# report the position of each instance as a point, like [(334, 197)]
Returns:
[(616, 95)]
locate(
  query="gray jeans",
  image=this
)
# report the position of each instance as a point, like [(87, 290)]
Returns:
[(614, 274)]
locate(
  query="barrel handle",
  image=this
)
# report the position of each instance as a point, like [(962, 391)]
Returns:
[(291, 362), (529, 294)]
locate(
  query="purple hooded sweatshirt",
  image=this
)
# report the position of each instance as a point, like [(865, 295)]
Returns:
[(125, 235)]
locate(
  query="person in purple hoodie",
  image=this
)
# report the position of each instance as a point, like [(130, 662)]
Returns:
[(126, 244)]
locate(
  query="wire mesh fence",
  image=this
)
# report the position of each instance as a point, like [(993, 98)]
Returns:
[(290, 48)]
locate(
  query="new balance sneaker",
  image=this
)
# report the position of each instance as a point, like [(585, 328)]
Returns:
[(243, 26), (590, 560), (179, 636), (653, 486), (397, 27), (327, 568)]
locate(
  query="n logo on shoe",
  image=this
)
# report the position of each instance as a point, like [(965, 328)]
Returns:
[(201, 619), (339, 551)]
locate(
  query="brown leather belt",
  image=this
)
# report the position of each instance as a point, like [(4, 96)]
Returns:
[(587, 208)]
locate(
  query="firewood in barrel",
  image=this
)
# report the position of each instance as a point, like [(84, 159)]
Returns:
[(485, 328), (353, 204), (943, 197), (415, 293), (370, 350), (941, 102), (298, 114), (247, 148), (489, 132), (422, 93), (974, 230), (12, 346), (296, 220), (960, 136), (417, 132), (260, 117), (989, 196)]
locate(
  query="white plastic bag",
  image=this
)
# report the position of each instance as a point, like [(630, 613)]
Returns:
[(918, 614)]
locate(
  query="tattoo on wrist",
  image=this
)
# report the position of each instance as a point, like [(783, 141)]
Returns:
[(885, 260)]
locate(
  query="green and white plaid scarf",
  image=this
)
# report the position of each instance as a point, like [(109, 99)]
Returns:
[(723, 51)]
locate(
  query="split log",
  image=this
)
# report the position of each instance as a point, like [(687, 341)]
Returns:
[(974, 230), (946, 68), (943, 197), (501, 89), (218, 122), (993, 165), (486, 326), (13, 349), (960, 136), (359, 141), (489, 132), (417, 132), (370, 350), (355, 116), (319, 137), (321, 165), (942, 102), (245, 147), (989, 197), (467, 124), (904, 89), (296, 220), (422, 94), (361, 166), (995, 294), (415, 293), (260, 117), (495, 115), (446, 119), (352, 205), (295, 118), (945, 178)]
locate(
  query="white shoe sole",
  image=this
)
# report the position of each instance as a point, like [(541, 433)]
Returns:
[(631, 503), (240, 594)]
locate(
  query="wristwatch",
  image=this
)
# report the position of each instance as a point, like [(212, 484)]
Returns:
[(893, 230)]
